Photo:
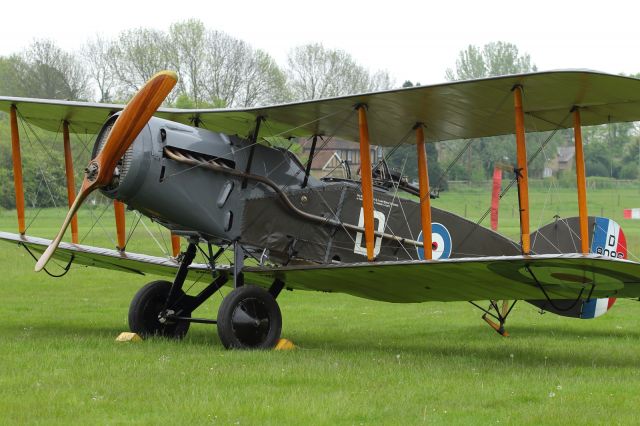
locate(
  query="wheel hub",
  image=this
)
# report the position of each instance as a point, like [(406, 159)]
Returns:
[(250, 321)]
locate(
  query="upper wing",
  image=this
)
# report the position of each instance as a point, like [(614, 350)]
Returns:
[(562, 276), (454, 110)]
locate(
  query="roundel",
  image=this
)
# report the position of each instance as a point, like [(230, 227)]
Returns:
[(441, 242)]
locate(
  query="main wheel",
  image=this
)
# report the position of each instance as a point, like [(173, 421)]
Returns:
[(249, 318), (145, 309)]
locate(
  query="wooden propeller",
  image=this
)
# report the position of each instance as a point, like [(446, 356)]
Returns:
[(126, 128)]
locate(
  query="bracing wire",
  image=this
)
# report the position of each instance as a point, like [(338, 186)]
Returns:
[(515, 178)]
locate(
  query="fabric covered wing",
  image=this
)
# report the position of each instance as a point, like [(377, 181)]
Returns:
[(562, 276), (505, 277), (453, 110), (104, 258)]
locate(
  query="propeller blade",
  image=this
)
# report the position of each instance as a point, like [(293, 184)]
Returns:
[(125, 130), (133, 118), (48, 253)]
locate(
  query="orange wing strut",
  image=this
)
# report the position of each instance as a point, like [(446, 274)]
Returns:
[(581, 183), (17, 169), (175, 245), (523, 179), (118, 208), (425, 200), (71, 185), (367, 181)]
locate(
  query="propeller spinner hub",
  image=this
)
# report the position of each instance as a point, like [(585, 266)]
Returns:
[(92, 171)]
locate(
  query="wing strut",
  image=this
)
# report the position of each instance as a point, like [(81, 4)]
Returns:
[(521, 171), (425, 198), (118, 209), (366, 181), (17, 169), (307, 170), (581, 183), (71, 184), (175, 245)]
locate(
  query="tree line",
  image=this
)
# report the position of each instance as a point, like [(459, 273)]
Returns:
[(611, 151), (215, 68)]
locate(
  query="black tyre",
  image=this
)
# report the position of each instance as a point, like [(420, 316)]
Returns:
[(249, 318), (144, 309)]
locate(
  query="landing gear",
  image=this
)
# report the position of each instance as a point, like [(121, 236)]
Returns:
[(501, 314), (249, 318), (145, 313)]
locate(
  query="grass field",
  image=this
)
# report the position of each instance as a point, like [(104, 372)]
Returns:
[(359, 362)]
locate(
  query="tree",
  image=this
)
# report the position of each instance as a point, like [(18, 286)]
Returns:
[(10, 68), (44, 70), (238, 75), (469, 65), (315, 72), (187, 42), (380, 80), (495, 59), (136, 56), (264, 82), (96, 55), (225, 57)]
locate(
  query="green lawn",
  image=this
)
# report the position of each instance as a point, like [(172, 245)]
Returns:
[(359, 362)]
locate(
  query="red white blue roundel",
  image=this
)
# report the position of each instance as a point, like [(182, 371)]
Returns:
[(441, 242), (608, 240)]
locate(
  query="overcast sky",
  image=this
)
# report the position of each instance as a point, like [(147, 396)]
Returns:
[(414, 40)]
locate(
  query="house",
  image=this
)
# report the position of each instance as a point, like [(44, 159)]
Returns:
[(564, 160), (335, 158)]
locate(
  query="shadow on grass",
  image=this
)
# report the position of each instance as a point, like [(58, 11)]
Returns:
[(573, 333), (529, 347), (61, 331)]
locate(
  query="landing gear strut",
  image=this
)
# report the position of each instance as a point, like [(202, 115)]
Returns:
[(501, 314), (248, 318)]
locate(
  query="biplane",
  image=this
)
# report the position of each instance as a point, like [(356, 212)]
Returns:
[(204, 175)]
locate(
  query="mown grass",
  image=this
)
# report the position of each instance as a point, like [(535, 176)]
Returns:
[(358, 362)]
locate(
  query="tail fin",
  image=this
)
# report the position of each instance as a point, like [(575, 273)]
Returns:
[(563, 236)]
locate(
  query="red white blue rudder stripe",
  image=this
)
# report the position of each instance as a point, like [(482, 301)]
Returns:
[(608, 240)]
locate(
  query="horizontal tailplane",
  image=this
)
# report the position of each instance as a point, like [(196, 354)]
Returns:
[(563, 236)]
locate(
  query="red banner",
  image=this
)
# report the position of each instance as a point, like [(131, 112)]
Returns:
[(495, 197)]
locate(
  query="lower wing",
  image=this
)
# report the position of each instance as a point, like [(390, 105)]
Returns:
[(561, 276), (556, 277), (72, 254)]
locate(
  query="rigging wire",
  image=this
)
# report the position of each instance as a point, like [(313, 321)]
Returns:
[(163, 250), (166, 246), (39, 161), (395, 194), (95, 222), (131, 230), (514, 180), (468, 143)]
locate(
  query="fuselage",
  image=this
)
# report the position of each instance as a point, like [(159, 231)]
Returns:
[(227, 189)]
